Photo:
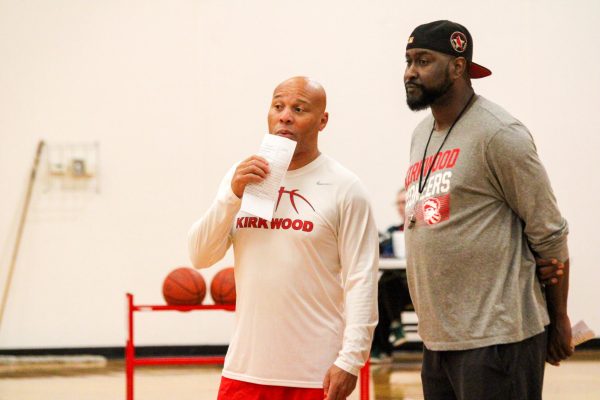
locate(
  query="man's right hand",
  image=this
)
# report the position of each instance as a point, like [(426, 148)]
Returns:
[(254, 169), (559, 340)]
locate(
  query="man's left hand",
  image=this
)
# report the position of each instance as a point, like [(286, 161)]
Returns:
[(559, 341), (338, 384), (549, 271)]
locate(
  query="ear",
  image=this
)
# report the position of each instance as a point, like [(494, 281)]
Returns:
[(460, 67), (324, 120)]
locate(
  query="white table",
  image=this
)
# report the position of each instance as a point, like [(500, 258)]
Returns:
[(392, 263), (409, 318)]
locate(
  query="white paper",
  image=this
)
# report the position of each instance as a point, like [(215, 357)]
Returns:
[(581, 333), (259, 199)]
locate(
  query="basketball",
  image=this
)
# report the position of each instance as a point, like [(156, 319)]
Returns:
[(222, 287), (184, 287)]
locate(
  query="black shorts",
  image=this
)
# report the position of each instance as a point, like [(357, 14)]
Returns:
[(504, 372)]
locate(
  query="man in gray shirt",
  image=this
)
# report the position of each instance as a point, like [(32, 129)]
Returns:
[(480, 209)]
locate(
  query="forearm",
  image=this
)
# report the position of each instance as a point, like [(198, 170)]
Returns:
[(361, 319), (208, 239), (557, 295), (560, 345)]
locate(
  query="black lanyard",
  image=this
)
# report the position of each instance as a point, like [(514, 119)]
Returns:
[(413, 218), (421, 188)]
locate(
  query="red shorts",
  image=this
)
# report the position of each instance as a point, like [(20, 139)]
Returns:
[(231, 389)]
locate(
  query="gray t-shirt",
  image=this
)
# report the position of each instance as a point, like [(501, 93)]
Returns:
[(486, 208)]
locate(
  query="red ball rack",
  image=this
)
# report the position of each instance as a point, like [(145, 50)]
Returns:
[(131, 361)]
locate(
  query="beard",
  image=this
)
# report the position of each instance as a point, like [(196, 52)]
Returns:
[(428, 96)]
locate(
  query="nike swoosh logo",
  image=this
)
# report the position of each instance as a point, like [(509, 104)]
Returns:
[(324, 183)]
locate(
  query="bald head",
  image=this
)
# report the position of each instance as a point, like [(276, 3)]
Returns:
[(306, 87), (298, 113)]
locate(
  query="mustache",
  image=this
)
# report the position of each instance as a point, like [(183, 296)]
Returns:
[(413, 84)]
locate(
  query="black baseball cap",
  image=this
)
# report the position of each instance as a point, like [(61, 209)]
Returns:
[(449, 38)]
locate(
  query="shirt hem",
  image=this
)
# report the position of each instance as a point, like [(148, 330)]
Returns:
[(272, 382), (473, 344)]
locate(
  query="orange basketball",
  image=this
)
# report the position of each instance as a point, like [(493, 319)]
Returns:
[(184, 287), (222, 287)]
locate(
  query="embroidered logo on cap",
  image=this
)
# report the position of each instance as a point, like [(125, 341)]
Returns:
[(411, 39), (458, 41)]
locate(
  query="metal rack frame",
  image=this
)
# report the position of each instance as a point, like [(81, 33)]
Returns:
[(131, 361)]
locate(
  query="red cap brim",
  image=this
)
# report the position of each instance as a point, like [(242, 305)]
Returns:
[(477, 71)]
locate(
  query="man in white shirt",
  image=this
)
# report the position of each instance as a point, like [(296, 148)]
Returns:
[(306, 281)]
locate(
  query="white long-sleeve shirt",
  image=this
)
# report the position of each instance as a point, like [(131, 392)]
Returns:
[(306, 281)]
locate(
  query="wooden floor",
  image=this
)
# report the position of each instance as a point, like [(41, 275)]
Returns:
[(577, 379)]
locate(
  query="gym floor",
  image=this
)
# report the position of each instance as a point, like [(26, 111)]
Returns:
[(578, 378)]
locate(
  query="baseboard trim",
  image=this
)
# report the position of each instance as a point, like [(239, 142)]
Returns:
[(593, 344), (119, 352), (181, 351)]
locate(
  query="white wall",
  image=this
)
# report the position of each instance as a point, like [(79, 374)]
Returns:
[(177, 91)]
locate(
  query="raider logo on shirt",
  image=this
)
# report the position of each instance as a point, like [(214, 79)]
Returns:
[(435, 209), (280, 223)]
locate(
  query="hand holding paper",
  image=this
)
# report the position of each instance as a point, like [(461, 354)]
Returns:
[(259, 198), (254, 169)]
